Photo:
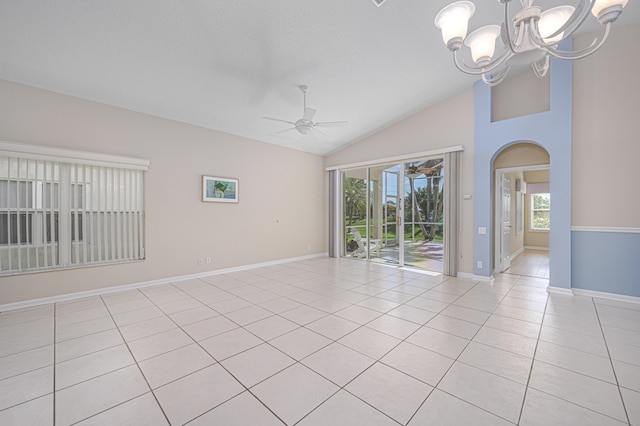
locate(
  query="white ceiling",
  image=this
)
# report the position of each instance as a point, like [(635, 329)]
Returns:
[(223, 64)]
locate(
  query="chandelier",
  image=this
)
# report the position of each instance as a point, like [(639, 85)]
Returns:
[(535, 35)]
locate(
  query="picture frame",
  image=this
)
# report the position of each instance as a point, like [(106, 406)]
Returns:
[(219, 189)]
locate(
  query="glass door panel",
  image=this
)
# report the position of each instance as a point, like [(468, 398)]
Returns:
[(385, 213), (355, 217), (424, 214)]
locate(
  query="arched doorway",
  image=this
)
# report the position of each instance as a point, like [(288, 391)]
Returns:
[(521, 210)]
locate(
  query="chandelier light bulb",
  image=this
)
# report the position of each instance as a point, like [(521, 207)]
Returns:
[(453, 21), (601, 5), (608, 10), (551, 20), (482, 42)]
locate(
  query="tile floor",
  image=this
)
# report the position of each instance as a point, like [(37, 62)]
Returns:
[(531, 263), (324, 342)]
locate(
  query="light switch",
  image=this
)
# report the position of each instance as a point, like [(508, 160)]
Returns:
[(466, 197), (482, 230)]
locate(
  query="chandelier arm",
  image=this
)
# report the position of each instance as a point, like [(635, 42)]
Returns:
[(486, 68), (541, 69), (491, 80), (507, 33), (579, 54), (576, 19)]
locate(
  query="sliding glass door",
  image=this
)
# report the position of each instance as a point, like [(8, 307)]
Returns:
[(393, 214)]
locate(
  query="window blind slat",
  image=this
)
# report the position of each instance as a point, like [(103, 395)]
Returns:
[(113, 219), (118, 210), (130, 215), (43, 209), (135, 207), (100, 224), (91, 213), (75, 240)]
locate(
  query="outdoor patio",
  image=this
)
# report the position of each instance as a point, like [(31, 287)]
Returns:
[(419, 254)]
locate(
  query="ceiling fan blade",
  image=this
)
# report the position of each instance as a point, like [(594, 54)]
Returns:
[(285, 130), (319, 131), (280, 120), (427, 170), (331, 124), (309, 113)]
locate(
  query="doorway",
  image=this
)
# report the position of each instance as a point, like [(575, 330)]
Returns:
[(394, 214), (522, 221)]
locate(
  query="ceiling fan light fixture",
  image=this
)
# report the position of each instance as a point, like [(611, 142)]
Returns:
[(304, 129)]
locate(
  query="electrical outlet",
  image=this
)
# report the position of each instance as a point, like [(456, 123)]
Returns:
[(200, 262), (208, 259), (479, 264)]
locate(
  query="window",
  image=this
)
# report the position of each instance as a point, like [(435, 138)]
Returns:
[(540, 212), (68, 212)]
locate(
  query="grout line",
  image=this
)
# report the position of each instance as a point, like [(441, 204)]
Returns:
[(136, 364), (216, 362), (615, 375), (533, 360), (462, 351)]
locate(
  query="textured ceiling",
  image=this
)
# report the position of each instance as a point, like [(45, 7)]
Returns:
[(224, 64)]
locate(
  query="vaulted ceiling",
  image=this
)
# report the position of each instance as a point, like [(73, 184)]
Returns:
[(224, 64)]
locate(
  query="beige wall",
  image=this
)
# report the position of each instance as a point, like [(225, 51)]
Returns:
[(282, 206), (605, 147), (449, 123), (521, 155), (507, 96)]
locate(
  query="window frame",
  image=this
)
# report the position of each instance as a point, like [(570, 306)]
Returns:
[(533, 210), (57, 223)]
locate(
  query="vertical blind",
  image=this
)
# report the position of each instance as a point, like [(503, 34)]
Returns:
[(55, 214), (452, 212)]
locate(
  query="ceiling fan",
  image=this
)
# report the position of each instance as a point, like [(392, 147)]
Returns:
[(414, 171), (305, 125)]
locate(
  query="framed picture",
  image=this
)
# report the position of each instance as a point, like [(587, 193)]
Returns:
[(219, 190)]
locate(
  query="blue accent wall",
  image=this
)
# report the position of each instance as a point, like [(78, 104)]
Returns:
[(550, 130), (606, 262)]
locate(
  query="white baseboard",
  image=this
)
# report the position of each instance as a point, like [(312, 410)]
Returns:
[(517, 252), (473, 277), (559, 290), (592, 293), (604, 295), (169, 280), (536, 248)]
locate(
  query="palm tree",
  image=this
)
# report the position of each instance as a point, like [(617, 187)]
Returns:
[(355, 198), (428, 199)]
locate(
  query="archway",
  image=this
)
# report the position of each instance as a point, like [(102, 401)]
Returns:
[(521, 210)]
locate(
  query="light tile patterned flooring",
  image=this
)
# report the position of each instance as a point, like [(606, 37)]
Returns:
[(324, 342), (531, 263)]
